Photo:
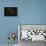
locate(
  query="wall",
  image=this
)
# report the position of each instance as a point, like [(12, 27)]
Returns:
[(8, 24), (29, 12), (33, 12)]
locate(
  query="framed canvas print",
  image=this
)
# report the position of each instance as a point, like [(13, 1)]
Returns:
[(10, 11)]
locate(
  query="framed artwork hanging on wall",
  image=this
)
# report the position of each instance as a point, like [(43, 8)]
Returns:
[(10, 11)]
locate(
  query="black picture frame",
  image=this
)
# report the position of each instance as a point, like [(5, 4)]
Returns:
[(10, 11)]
